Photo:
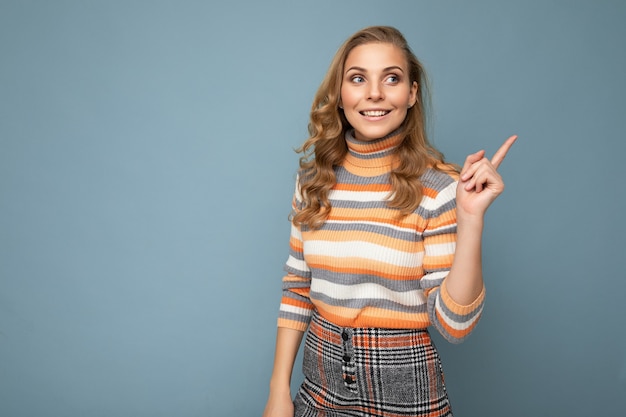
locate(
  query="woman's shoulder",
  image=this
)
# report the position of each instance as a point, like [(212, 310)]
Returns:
[(440, 177), (439, 186)]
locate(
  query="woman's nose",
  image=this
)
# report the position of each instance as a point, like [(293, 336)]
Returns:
[(375, 92)]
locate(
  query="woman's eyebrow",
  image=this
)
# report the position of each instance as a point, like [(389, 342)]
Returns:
[(361, 69)]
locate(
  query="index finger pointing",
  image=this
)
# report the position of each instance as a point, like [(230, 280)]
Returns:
[(498, 157)]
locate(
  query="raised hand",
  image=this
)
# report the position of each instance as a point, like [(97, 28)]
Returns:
[(480, 183)]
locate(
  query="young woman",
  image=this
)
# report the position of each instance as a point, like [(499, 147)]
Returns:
[(385, 242)]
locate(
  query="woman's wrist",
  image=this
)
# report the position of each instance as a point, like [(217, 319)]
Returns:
[(279, 386), (469, 223)]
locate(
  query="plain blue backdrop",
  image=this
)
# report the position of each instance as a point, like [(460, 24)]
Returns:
[(146, 171)]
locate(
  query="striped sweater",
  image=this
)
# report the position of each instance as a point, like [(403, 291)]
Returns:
[(367, 268)]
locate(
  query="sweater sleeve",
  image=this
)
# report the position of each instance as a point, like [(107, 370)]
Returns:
[(296, 308), (454, 321)]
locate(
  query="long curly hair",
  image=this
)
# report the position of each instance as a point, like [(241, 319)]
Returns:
[(326, 147)]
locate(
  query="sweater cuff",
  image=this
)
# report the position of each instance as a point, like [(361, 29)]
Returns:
[(460, 308), (293, 324)]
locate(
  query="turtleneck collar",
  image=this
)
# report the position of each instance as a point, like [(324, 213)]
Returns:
[(369, 158)]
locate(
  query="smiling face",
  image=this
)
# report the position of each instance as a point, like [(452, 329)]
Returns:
[(376, 91)]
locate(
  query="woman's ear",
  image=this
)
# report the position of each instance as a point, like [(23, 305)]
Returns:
[(413, 94)]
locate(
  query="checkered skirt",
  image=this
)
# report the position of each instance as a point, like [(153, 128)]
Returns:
[(371, 372)]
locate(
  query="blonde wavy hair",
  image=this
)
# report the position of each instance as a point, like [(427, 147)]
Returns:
[(326, 146)]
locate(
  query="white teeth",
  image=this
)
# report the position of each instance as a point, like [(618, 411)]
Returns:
[(374, 113)]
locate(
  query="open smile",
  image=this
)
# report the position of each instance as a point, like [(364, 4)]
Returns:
[(374, 113)]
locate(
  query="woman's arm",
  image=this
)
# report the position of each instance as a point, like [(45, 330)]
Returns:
[(279, 403), (479, 185)]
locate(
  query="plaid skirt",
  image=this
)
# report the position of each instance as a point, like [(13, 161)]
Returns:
[(371, 372)]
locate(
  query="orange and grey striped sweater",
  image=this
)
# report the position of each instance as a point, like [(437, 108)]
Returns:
[(365, 267)]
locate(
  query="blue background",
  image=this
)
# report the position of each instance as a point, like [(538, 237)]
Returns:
[(146, 172)]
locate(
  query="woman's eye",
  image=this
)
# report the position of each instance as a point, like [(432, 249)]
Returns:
[(393, 79), (357, 79)]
